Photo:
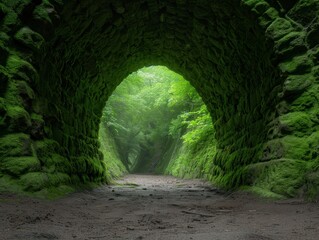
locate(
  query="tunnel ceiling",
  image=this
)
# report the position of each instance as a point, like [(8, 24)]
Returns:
[(255, 64)]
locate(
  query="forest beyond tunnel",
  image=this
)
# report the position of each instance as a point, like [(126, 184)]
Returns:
[(254, 63)]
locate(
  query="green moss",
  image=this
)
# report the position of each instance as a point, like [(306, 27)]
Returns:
[(19, 165), (56, 163), (291, 43), (21, 69), (36, 181), (281, 177), (29, 38), (297, 65), (279, 28), (297, 83), (9, 184), (45, 148), (261, 7), (299, 123), (295, 147), (268, 17), (265, 193), (15, 145), (306, 100), (10, 20), (54, 192), (18, 118), (41, 12)]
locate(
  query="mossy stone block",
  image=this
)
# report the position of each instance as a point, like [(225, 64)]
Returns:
[(296, 147), (15, 145), (305, 101), (268, 17), (282, 177), (10, 21), (297, 65), (291, 43), (57, 178), (45, 148), (37, 181), (298, 123), (18, 119), (29, 38), (34, 181), (17, 166), (21, 69), (261, 7), (279, 28), (295, 84)]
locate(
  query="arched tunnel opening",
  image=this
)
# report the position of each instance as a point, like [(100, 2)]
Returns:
[(156, 123), (255, 69)]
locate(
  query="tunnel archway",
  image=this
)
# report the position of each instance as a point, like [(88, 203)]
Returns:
[(243, 57)]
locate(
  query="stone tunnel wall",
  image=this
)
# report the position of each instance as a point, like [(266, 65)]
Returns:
[(255, 64)]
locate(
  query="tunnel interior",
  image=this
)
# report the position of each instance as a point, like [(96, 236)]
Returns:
[(255, 69)]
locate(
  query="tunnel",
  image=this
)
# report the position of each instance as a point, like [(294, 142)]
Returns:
[(254, 63)]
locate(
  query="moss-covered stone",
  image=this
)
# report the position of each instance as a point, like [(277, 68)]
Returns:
[(296, 147), (297, 65), (268, 17), (279, 28), (15, 145), (18, 119), (290, 44), (21, 69), (298, 123), (29, 38), (45, 148), (34, 181), (17, 166), (56, 163), (296, 84), (306, 100), (283, 176)]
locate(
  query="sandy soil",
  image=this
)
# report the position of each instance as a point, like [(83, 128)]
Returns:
[(157, 207)]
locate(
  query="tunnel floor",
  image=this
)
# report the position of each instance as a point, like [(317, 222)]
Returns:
[(157, 207)]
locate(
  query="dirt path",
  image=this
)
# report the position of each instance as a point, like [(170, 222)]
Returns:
[(157, 207)]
